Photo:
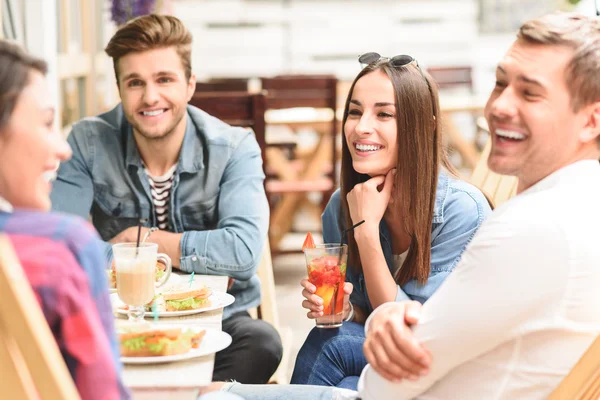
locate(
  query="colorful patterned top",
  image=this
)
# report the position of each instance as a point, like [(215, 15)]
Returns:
[(63, 260)]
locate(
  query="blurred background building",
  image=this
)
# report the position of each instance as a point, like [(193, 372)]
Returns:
[(255, 38)]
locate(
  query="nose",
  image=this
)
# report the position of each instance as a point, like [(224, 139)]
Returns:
[(504, 106), (62, 150), (150, 94), (365, 125)]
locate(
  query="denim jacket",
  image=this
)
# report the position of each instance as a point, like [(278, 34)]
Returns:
[(459, 210), (217, 198)]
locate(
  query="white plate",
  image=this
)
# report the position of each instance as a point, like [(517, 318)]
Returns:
[(174, 279), (217, 300), (212, 342)]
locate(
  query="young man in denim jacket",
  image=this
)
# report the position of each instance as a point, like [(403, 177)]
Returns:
[(196, 178)]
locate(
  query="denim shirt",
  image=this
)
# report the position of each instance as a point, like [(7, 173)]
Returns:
[(459, 210), (217, 198)]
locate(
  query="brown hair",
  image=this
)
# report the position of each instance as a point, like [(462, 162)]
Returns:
[(151, 32), (15, 66), (420, 153), (579, 33)]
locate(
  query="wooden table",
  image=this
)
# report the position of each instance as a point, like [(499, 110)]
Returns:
[(178, 380)]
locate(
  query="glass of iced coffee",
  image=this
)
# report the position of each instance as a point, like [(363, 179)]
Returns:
[(135, 270)]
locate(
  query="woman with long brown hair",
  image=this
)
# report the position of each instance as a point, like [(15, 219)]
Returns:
[(419, 216)]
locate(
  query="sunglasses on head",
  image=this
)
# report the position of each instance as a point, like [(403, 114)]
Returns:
[(396, 61)]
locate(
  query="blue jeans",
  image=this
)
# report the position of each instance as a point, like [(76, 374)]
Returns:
[(331, 357), (287, 392)]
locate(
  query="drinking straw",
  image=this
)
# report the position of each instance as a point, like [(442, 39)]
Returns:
[(137, 243), (344, 232), (191, 279)]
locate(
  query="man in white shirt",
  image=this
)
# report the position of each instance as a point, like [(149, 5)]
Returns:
[(523, 304)]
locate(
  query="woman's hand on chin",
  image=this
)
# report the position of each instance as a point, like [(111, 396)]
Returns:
[(368, 202)]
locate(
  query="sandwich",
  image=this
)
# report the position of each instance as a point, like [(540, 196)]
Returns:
[(111, 274), (187, 299), (159, 342)]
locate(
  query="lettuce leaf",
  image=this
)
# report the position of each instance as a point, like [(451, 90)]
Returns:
[(139, 343), (190, 302)]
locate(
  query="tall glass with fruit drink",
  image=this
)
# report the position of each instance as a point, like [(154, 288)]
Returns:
[(326, 264)]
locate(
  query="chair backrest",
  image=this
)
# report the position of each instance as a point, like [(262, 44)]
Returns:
[(498, 188), (583, 382), (289, 91), (223, 85), (236, 108), (317, 91), (452, 77), (267, 310), (31, 366)]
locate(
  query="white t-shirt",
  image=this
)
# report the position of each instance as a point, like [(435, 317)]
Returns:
[(522, 305)]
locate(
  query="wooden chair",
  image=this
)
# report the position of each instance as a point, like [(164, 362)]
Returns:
[(236, 108), (247, 110), (498, 188), (267, 311), (31, 366), (223, 85), (452, 77), (317, 172), (583, 382)]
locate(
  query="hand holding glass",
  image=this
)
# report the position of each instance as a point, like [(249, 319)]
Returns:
[(326, 265)]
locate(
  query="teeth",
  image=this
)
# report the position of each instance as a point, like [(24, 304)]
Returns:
[(152, 113), (510, 134), (49, 176), (367, 147)]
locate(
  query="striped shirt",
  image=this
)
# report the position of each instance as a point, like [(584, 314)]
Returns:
[(160, 188)]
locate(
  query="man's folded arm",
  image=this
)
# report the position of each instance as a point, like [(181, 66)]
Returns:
[(499, 284)]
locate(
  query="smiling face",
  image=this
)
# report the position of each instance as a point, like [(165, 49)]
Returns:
[(30, 148), (534, 130), (154, 91), (371, 130)]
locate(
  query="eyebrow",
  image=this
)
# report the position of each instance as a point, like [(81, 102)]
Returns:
[(135, 75), (524, 78), (378, 104)]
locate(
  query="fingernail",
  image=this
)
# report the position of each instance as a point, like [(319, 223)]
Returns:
[(413, 377), (394, 171), (424, 372)]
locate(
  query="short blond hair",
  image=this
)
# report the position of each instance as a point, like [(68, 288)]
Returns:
[(579, 33), (149, 32)]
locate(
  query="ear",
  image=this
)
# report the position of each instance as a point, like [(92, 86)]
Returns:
[(191, 86), (591, 130)]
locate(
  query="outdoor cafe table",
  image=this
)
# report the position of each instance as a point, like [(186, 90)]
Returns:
[(182, 379)]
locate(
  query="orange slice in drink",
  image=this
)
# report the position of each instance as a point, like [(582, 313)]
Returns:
[(326, 293), (309, 243)]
